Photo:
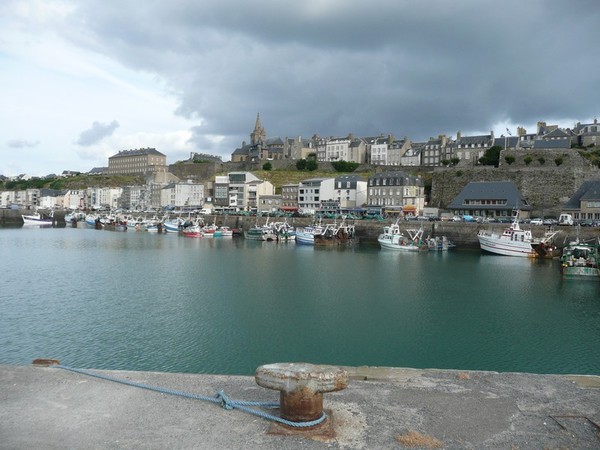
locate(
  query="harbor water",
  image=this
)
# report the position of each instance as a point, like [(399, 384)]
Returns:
[(149, 302)]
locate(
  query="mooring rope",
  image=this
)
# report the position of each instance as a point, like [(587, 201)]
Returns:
[(220, 398)]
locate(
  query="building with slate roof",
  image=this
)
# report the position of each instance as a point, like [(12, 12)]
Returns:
[(141, 161), (587, 134), (468, 149), (585, 203), (396, 191), (489, 199), (350, 191)]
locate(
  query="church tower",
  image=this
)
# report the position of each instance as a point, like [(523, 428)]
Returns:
[(258, 135)]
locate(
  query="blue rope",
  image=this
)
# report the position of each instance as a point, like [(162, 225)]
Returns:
[(220, 398)]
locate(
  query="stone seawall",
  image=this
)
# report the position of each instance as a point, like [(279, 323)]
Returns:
[(462, 234)]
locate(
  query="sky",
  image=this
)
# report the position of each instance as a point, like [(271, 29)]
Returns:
[(81, 80)]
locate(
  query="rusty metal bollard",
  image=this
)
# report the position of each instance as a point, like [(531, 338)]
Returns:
[(301, 387)]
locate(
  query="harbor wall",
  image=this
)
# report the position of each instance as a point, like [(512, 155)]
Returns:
[(462, 234)]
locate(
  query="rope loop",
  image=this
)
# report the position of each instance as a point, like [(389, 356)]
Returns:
[(220, 397), (225, 401)]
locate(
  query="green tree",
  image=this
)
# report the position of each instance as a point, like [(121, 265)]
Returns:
[(267, 166), (344, 166), (509, 159), (558, 160), (527, 160), (301, 164), (454, 161), (491, 157), (311, 165), (542, 160)]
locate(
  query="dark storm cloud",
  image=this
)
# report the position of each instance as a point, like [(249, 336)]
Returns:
[(22, 143), (97, 132), (414, 68)]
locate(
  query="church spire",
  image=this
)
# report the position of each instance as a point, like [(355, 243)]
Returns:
[(258, 135)]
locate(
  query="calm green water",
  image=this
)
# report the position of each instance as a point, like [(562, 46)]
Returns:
[(140, 301)]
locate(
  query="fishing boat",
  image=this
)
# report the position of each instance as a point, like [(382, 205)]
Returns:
[(284, 231), (306, 235), (439, 244), (334, 234), (260, 233), (194, 231), (223, 231), (513, 241), (580, 260), (37, 219), (392, 238), (545, 247)]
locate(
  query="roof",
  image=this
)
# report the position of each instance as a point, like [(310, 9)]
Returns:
[(403, 178), (137, 152), (490, 190), (589, 190), (554, 143)]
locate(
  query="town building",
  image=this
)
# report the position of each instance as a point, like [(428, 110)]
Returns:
[(269, 203), (182, 195), (102, 197), (312, 191), (141, 161), (587, 134), (239, 191), (289, 197), (396, 192), (584, 204), (350, 191), (489, 199)]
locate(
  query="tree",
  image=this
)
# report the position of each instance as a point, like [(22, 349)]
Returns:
[(509, 159), (542, 160), (527, 160), (301, 164), (267, 166), (558, 160), (454, 161), (491, 157), (344, 166), (311, 165)]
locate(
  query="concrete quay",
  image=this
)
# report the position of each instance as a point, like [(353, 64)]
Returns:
[(462, 234), (51, 408)]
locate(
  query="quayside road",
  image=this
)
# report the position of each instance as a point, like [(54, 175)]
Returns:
[(49, 407)]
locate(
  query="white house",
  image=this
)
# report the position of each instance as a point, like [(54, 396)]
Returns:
[(312, 191), (182, 194)]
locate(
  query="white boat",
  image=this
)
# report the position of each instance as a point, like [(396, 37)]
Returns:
[(174, 225), (392, 238), (284, 231), (37, 219), (306, 235), (513, 241), (194, 231), (223, 231)]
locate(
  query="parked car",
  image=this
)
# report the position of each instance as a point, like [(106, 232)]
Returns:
[(549, 222), (537, 221)]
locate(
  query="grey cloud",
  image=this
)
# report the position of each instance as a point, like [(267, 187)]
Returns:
[(333, 67), (96, 133), (22, 143)]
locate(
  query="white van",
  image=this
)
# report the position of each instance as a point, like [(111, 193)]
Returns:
[(565, 219)]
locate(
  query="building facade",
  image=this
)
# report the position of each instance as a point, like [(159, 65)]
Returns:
[(141, 161), (397, 191)]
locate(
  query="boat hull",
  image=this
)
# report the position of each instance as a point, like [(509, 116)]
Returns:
[(505, 247), (393, 244)]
